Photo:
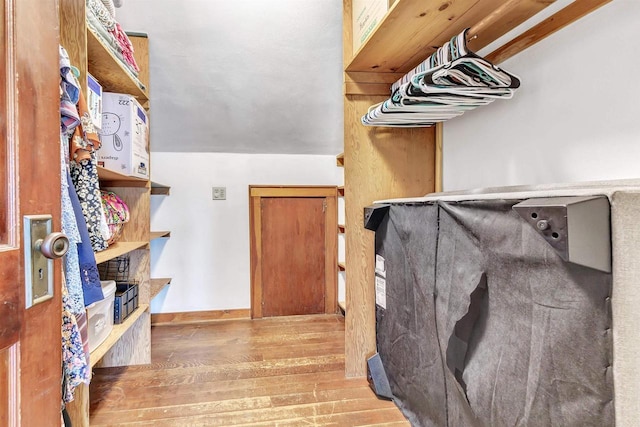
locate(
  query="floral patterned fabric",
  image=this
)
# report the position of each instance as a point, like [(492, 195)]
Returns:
[(70, 229), (75, 121), (108, 4), (92, 290), (102, 12), (84, 171), (117, 213), (69, 95), (75, 361), (84, 175)]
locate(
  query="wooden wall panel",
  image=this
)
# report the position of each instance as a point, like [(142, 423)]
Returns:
[(383, 163), (141, 54), (139, 271), (134, 348)]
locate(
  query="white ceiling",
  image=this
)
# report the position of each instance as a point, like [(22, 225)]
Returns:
[(243, 76)]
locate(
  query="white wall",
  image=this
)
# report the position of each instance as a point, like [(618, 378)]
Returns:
[(243, 76), (575, 118), (207, 254)]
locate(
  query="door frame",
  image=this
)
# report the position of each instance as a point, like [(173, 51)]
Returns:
[(330, 194)]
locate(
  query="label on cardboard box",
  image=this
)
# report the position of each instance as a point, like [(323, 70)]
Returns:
[(366, 15), (124, 136), (94, 101)]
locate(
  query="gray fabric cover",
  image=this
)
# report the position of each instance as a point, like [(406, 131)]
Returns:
[(486, 325)]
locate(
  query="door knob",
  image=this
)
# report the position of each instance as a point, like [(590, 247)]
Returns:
[(54, 246), (41, 247)]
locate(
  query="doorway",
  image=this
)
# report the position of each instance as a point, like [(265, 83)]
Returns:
[(294, 242)]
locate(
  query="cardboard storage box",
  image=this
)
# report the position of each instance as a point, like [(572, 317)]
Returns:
[(100, 316), (124, 136), (94, 101), (366, 15)]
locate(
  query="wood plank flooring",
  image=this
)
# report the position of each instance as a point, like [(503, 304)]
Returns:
[(285, 371)]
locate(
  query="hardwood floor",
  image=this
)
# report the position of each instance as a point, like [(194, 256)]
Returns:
[(286, 371)]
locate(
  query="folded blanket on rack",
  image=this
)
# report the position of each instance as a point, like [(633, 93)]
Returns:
[(102, 21), (125, 44), (100, 30), (110, 41), (103, 15), (110, 6)]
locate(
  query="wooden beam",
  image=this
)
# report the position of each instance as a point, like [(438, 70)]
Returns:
[(292, 191), (369, 83), (439, 138), (355, 88), (381, 163), (544, 29)]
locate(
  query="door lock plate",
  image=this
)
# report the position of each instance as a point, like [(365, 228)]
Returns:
[(38, 277)]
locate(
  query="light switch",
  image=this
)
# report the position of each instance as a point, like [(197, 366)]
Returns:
[(219, 193)]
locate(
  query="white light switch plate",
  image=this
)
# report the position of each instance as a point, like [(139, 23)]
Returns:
[(219, 193)]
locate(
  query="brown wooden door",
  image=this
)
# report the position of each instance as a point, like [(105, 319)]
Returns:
[(293, 248), (30, 354), (294, 245)]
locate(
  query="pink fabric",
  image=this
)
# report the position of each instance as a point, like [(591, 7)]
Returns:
[(125, 44)]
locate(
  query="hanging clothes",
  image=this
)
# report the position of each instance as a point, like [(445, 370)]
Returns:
[(70, 229), (82, 279), (75, 360), (84, 141), (68, 120), (92, 290), (84, 175)]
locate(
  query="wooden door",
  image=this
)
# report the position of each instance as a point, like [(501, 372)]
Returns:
[(293, 250), (30, 352)]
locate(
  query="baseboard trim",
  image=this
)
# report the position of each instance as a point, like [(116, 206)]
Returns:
[(199, 316)]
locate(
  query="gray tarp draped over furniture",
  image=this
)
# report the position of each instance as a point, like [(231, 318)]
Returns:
[(485, 325)]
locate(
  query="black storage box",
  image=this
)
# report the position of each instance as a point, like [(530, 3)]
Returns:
[(126, 301)]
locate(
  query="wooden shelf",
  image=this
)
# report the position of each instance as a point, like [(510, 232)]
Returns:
[(413, 29), (159, 189), (341, 266), (157, 285), (116, 249), (341, 228), (117, 333), (111, 178), (109, 71), (341, 191), (340, 160), (129, 343), (159, 234)]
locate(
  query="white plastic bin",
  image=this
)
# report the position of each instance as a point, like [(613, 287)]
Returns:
[(100, 315)]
